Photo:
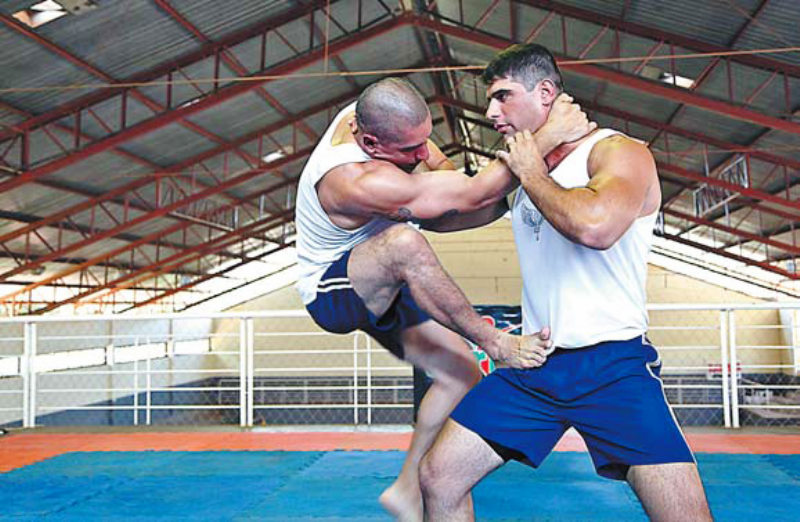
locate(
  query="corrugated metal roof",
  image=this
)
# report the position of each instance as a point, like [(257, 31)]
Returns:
[(180, 144), (775, 27), (27, 64), (238, 116), (99, 172), (41, 201), (216, 19), (717, 126), (121, 38), (706, 21), (124, 38)]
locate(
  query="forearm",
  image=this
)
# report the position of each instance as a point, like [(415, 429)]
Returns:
[(456, 222), (492, 184), (575, 212)]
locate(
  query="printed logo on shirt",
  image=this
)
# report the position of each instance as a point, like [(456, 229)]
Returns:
[(533, 218)]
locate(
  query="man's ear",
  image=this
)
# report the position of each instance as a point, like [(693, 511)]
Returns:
[(548, 92), (370, 141)]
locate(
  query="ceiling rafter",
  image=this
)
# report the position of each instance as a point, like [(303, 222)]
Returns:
[(86, 66), (188, 286), (652, 33), (169, 230), (164, 69), (441, 29), (706, 74), (193, 255), (230, 60), (119, 195), (630, 81), (213, 98)]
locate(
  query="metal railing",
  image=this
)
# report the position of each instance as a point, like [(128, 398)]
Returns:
[(726, 365)]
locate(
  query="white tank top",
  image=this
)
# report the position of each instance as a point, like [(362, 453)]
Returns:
[(586, 296), (319, 241)]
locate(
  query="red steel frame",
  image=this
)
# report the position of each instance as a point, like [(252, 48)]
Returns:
[(164, 115)]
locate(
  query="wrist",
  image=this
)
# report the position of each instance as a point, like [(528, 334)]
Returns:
[(545, 141)]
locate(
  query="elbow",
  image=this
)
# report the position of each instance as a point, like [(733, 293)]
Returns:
[(597, 237)]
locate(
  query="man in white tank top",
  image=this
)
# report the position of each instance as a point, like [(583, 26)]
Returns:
[(365, 268), (582, 220)]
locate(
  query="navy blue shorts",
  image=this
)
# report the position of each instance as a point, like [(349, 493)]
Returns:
[(339, 309), (611, 393)]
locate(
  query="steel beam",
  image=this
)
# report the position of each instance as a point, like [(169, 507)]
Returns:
[(652, 33), (184, 61), (624, 79), (169, 230), (84, 65), (188, 286), (733, 231), (114, 194), (214, 98), (134, 277), (241, 178), (231, 61), (190, 256), (745, 260)]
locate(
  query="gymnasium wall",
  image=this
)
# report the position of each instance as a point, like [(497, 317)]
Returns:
[(484, 263)]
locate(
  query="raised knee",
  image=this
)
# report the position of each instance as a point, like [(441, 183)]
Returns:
[(407, 240)]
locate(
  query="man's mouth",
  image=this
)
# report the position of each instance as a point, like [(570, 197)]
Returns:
[(501, 127)]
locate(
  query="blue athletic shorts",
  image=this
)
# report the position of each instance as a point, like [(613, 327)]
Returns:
[(338, 309), (611, 393)]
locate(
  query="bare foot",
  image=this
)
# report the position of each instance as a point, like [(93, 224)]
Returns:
[(403, 503), (528, 351)]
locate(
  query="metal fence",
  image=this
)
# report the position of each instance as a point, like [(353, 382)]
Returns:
[(726, 365)]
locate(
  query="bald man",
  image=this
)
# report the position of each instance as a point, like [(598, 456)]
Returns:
[(364, 268)]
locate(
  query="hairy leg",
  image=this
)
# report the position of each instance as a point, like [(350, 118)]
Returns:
[(445, 356), (670, 492), (400, 255), (457, 462)]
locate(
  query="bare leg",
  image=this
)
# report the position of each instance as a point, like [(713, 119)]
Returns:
[(670, 492), (445, 356), (400, 255), (458, 460)]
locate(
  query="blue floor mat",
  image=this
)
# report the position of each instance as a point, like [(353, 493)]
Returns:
[(344, 485)]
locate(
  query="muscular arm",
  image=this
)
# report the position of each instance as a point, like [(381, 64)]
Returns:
[(478, 218), (622, 173), (455, 221), (379, 188)]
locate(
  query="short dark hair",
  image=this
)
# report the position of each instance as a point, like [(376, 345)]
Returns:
[(527, 64), (389, 105)]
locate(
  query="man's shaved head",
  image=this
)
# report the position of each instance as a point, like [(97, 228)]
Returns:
[(388, 106)]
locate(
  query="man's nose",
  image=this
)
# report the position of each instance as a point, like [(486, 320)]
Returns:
[(423, 153), (491, 111)]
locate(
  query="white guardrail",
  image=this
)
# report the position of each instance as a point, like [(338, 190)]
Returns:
[(725, 365)]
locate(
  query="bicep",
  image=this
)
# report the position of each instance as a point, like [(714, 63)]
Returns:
[(621, 174), (404, 197)]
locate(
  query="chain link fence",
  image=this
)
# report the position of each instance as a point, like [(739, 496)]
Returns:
[(722, 366), (766, 347), (13, 375)]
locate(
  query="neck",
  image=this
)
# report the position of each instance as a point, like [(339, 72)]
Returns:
[(561, 152)]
